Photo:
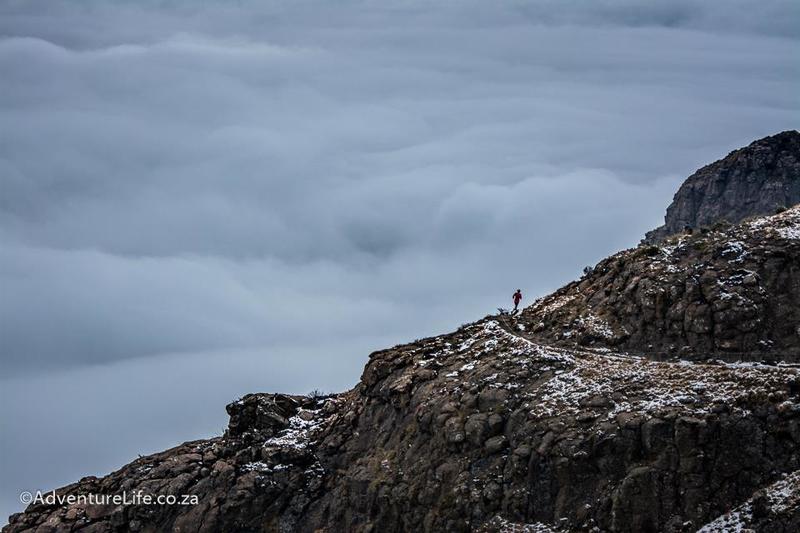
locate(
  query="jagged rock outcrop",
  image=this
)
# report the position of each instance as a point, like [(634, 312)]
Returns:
[(732, 292), (755, 180), (256, 477), (573, 416), (776, 508)]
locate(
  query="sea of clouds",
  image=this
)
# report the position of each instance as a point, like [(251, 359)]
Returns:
[(201, 200)]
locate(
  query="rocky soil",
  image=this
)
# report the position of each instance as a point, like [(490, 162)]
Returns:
[(755, 180)]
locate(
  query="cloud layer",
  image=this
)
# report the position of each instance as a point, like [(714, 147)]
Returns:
[(190, 183)]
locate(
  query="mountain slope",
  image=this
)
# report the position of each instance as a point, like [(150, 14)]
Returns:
[(499, 424), (754, 180), (731, 293)]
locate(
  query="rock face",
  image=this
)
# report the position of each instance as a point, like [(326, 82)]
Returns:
[(775, 508), (573, 416), (755, 180), (250, 479), (729, 293)]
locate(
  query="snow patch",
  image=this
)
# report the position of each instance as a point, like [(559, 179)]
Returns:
[(297, 435), (782, 496), (554, 304)]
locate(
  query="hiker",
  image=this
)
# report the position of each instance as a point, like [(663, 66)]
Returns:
[(517, 297)]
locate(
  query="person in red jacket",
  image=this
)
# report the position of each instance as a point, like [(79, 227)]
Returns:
[(517, 298)]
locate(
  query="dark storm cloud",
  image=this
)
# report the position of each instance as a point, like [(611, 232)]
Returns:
[(185, 183)]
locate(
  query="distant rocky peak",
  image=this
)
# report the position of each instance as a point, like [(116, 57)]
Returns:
[(755, 180)]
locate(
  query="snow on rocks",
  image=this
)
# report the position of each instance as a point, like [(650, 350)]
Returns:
[(297, 435), (637, 384), (501, 525), (786, 224), (667, 259), (735, 251), (790, 232), (564, 381), (592, 324), (552, 304), (783, 496), (262, 467)]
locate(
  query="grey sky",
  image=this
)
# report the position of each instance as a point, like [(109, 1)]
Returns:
[(200, 201)]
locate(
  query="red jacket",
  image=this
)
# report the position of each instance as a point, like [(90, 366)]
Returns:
[(517, 297)]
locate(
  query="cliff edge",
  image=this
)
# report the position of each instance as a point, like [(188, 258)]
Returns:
[(750, 181)]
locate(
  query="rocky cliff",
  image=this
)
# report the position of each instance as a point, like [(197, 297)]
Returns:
[(729, 292), (655, 394), (755, 180)]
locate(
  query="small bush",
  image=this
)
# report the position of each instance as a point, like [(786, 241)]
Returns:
[(721, 225), (649, 250)]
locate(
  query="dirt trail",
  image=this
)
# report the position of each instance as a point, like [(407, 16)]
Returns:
[(509, 324)]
